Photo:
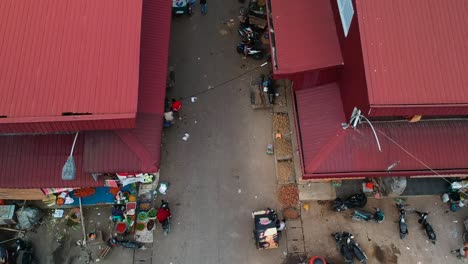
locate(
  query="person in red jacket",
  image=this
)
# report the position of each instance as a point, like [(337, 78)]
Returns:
[(163, 216)]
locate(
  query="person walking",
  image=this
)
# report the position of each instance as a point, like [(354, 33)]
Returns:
[(203, 7)]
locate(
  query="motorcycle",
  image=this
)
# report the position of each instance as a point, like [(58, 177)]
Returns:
[(363, 215), (251, 50), (22, 254), (343, 248), (428, 227), (402, 221), (166, 225), (349, 248), (124, 243), (248, 32), (357, 200)]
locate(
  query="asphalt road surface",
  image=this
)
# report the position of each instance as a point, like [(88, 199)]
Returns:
[(221, 173)]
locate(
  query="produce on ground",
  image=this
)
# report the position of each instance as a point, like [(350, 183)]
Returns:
[(283, 148), (85, 192), (152, 213), (140, 226), (142, 216), (288, 195), (291, 213), (114, 191), (150, 225), (285, 172), (280, 123), (145, 206)]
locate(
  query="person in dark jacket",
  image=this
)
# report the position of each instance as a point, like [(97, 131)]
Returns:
[(203, 7)]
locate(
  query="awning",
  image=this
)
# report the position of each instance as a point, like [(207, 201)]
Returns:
[(303, 36)]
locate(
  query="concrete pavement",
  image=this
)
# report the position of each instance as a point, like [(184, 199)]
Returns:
[(222, 172)]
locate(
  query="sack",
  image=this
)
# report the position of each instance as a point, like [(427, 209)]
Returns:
[(28, 217)]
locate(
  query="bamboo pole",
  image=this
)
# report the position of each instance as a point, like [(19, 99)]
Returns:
[(82, 223)]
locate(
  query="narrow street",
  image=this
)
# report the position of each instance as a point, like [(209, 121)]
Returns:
[(221, 173)]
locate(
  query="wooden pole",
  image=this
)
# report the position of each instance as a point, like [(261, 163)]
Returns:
[(82, 223)]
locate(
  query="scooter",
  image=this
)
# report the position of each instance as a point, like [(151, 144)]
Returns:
[(429, 230), (402, 221), (358, 252), (124, 243), (356, 200), (251, 51), (342, 246), (362, 215), (248, 32), (349, 248)]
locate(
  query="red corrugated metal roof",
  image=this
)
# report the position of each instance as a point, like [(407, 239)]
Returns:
[(37, 162), (79, 56), (131, 150), (415, 51), (138, 150), (329, 150), (305, 36), (128, 150)]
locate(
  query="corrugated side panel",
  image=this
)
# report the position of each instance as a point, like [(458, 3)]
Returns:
[(37, 161), (67, 126), (439, 144), (138, 150), (425, 110), (320, 115)]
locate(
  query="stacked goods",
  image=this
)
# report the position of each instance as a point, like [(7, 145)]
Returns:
[(84, 192), (280, 123), (285, 172), (291, 213), (288, 195), (283, 149)]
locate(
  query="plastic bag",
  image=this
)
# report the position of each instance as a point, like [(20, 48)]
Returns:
[(162, 188), (28, 217), (394, 186)]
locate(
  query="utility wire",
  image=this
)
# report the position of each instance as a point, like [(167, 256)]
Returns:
[(416, 158), (224, 82)]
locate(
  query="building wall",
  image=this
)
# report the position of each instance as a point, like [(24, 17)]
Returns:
[(309, 79), (21, 194), (352, 79)]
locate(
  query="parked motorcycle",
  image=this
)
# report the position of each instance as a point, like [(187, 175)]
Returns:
[(342, 246), (248, 32), (349, 248), (428, 227), (252, 51), (402, 221), (363, 215), (356, 200), (113, 242)]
